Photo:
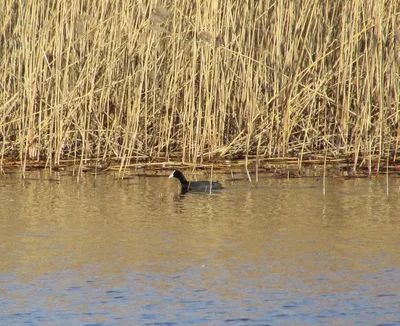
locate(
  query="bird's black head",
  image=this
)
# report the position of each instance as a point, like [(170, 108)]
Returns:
[(179, 175)]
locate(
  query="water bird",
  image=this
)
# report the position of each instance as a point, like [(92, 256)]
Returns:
[(195, 186)]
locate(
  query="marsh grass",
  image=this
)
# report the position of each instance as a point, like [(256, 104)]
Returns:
[(199, 81)]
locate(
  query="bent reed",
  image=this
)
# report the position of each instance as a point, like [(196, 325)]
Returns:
[(199, 80)]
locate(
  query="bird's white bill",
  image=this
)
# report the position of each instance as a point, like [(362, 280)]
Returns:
[(172, 175)]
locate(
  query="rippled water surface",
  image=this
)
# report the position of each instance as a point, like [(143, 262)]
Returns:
[(108, 252)]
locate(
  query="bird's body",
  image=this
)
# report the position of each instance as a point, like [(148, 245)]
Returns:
[(195, 186)]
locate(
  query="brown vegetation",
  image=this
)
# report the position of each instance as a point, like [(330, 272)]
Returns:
[(199, 80)]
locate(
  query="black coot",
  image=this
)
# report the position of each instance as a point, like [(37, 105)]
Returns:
[(195, 186)]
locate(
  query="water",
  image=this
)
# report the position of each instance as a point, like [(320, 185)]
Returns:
[(133, 252)]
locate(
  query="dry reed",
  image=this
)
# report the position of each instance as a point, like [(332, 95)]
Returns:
[(199, 80)]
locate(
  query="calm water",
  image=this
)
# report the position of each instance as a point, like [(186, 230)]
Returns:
[(132, 252)]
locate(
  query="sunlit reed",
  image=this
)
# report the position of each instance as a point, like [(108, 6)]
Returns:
[(198, 80)]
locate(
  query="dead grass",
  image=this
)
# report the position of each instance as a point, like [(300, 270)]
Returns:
[(200, 80)]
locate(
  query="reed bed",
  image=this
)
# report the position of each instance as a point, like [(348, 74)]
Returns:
[(199, 81)]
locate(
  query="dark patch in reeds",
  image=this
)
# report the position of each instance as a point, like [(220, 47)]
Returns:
[(42, 179)]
